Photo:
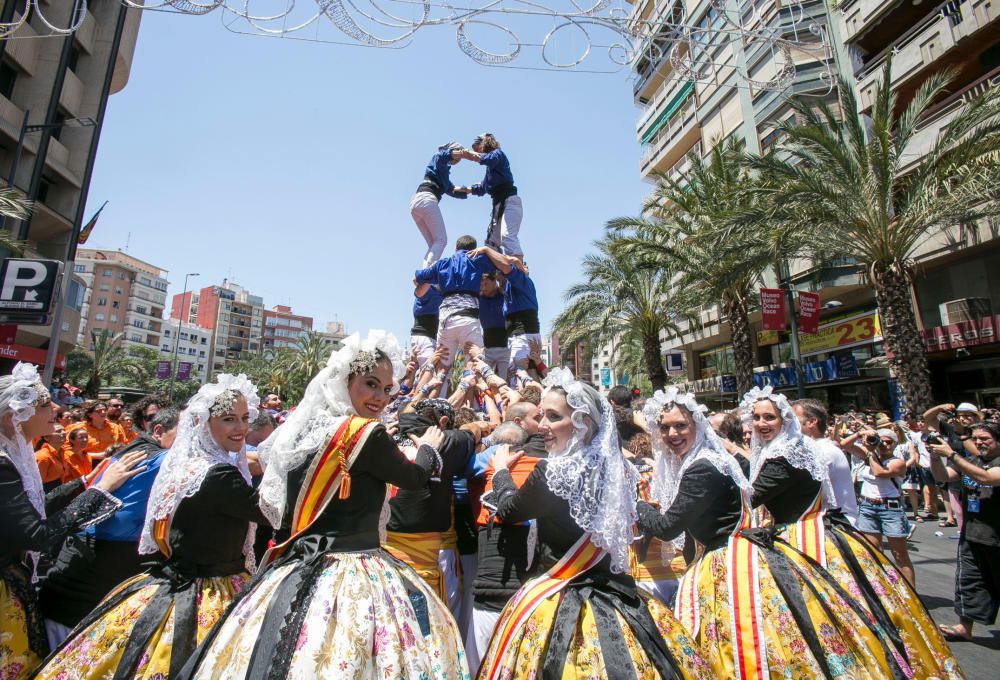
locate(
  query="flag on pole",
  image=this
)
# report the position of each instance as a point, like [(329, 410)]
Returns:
[(89, 226)]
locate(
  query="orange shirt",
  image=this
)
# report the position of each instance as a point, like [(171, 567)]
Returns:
[(129, 435), (520, 471), (50, 463), (76, 465), (99, 439)]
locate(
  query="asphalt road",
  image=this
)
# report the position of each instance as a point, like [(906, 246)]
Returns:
[(934, 560)]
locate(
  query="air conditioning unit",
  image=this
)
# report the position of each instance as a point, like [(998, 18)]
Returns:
[(966, 309)]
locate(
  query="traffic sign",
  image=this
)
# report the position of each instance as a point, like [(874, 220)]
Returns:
[(28, 288)]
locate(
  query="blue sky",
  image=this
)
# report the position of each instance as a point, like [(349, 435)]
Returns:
[(288, 166)]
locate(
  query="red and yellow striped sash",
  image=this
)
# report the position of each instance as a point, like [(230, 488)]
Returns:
[(326, 478), (579, 559), (749, 650), (808, 534)]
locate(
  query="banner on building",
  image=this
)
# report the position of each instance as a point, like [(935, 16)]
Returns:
[(32, 355), (606, 377), (963, 334), (772, 309), (184, 370), (162, 370), (834, 368), (855, 330), (808, 312)]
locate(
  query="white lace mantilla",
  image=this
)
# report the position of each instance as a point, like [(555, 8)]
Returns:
[(325, 403), (19, 399), (799, 450), (669, 466), (591, 474), (193, 454)]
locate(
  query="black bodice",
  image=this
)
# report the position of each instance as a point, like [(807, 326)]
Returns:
[(785, 491)]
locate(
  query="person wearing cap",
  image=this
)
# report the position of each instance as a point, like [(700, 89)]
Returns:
[(953, 423), (425, 205), (880, 508), (507, 212)]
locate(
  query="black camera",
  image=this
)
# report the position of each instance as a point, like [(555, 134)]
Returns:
[(872, 440), (931, 438)]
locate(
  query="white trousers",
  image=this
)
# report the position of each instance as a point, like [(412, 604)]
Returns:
[(470, 563), (457, 330), (55, 633), (478, 639), (510, 225), (426, 212), (524, 347), (448, 564), (424, 347), (498, 359)]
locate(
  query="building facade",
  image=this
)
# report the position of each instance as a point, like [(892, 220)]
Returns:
[(233, 314), (955, 286), (282, 328), (189, 343), (123, 294), (64, 82)]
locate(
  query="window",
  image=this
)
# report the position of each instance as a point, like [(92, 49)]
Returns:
[(121, 275), (146, 281), (114, 318), (141, 309), (102, 302), (119, 291), (138, 323), (106, 272), (79, 268), (201, 353), (166, 332), (99, 317), (165, 347), (8, 77), (105, 288), (160, 285), (116, 304), (203, 340)]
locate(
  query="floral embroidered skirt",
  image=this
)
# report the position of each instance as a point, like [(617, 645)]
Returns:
[(872, 580), (146, 628), (593, 628), (335, 616), (20, 650), (763, 611)]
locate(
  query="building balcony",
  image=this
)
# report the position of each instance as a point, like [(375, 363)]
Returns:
[(22, 49), (11, 118), (85, 34), (670, 139), (71, 97)]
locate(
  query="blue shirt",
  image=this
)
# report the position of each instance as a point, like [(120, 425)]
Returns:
[(126, 524), (497, 172), (457, 274), (491, 311), (429, 304), (440, 169), (519, 293)]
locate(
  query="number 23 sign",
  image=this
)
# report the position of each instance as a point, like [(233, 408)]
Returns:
[(842, 333)]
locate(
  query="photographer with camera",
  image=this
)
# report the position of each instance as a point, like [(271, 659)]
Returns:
[(977, 576), (952, 423), (880, 508)]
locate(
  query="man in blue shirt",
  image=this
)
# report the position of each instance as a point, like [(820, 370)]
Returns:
[(92, 563), (425, 205), (460, 279), (507, 212), (423, 334), (494, 326)]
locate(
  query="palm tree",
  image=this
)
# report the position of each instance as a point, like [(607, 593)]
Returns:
[(311, 353), (13, 205), (621, 297), (706, 227), (109, 359), (841, 178)]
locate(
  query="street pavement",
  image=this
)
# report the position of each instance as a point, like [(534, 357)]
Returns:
[(934, 560)]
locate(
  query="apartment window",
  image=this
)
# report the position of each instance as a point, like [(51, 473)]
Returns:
[(121, 275), (119, 291), (80, 268), (146, 281), (106, 272), (114, 318), (102, 302), (165, 347), (204, 340), (116, 304), (160, 285), (142, 309), (138, 324), (166, 332), (201, 353), (98, 317), (8, 77), (105, 288)]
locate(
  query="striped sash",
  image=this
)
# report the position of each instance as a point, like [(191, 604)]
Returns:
[(579, 559), (808, 534), (327, 478), (749, 650)]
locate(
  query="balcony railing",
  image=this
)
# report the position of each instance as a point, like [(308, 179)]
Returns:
[(669, 132), (950, 9), (974, 90)]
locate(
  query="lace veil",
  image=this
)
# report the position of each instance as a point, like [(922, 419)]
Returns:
[(668, 467), (591, 473), (799, 450), (19, 397), (325, 402), (194, 452)]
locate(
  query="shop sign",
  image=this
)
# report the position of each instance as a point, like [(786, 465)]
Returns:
[(765, 338), (898, 400), (808, 312), (834, 368), (32, 355), (772, 309), (843, 333), (782, 376), (962, 334), (727, 383)]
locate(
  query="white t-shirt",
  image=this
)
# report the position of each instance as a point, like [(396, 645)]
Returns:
[(839, 470), (881, 487)]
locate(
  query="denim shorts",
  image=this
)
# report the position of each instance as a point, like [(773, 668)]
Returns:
[(878, 519)]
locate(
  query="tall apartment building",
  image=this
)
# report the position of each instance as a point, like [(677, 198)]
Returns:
[(64, 82), (335, 331), (189, 343), (282, 328), (956, 281), (123, 295), (232, 313)]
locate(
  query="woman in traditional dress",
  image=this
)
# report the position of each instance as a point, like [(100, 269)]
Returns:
[(790, 479), (329, 601), (584, 617), (33, 522), (756, 610), (199, 525)]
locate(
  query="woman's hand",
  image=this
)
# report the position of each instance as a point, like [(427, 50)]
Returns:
[(504, 458), (432, 437), (120, 471)]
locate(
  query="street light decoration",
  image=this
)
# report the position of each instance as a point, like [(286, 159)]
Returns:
[(9, 29)]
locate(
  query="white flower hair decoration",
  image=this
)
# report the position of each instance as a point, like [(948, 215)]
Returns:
[(23, 394), (19, 398)]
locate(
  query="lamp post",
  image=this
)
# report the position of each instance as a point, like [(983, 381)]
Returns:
[(177, 338)]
